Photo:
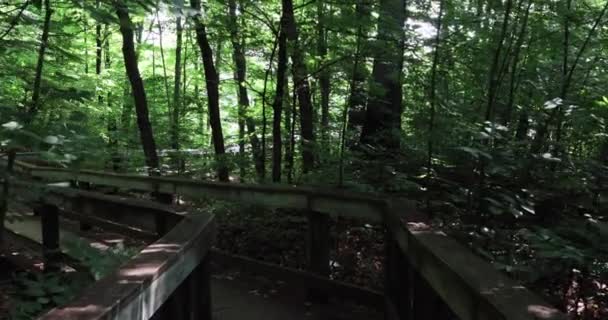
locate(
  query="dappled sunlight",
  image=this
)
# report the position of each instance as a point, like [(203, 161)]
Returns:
[(161, 247), (544, 312), (78, 312), (140, 271)]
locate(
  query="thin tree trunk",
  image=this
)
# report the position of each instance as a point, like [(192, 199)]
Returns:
[(212, 81), (494, 69), (238, 55), (300, 75), (137, 89), (277, 105), (383, 114), (165, 77), (176, 105), (433, 89), (287, 129), (15, 20), (264, 121), (44, 40), (112, 121), (513, 85), (324, 75), (358, 97), (292, 136)]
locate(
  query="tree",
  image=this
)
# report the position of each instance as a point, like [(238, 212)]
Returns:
[(277, 105), (44, 39), (137, 88), (302, 86), (238, 55), (212, 81), (383, 115)]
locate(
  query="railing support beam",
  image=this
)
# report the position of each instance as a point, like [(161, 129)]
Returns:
[(398, 283), (318, 251), (49, 215)]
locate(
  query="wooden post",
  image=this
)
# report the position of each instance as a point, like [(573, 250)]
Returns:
[(84, 186), (161, 225), (318, 251), (199, 292), (49, 215), (160, 220), (397, 276), (426, 303), (191, 299), (178, 306)]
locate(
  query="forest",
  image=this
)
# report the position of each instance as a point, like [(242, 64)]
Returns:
[(488, 117)]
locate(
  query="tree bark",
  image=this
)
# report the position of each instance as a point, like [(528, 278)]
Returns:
[(137, 89), (238, 55), (302, 88), (494, 69), (176, 105), (433, 89), (324, 75), (358, 95), (383, 116), (212, 82), (165, 77), (277, 105), (514, 83), (44, 40)]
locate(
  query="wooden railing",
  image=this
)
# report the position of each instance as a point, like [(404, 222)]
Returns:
[(429, 275), (169, 279)]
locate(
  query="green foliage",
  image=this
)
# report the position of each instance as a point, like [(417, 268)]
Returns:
[(38, 292), (100, 262)]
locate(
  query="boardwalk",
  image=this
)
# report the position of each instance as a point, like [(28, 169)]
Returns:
[(235, 294)]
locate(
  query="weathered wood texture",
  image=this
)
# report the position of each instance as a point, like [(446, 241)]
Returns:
[(138, 218), (468, 285), (331, 202), (49, 215), (318, 251), (140, 287)]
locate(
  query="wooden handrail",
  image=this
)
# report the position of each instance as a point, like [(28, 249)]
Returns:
[(332, 202), (175, 264), (468, 285)]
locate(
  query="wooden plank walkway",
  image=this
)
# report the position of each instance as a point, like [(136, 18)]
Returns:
[(235, 294)]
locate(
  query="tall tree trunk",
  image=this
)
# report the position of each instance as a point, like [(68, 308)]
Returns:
[(300, 79), (137, 89), (238, 55), (324, 75), (287, 123), (494, 69), (289, 158), (176, 105), (163, 61), (277, 105), (112, 121), (44, 40), (433, 89), (515, 72), (358, 96), (383, 115), (212, 81), (264, 121)]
